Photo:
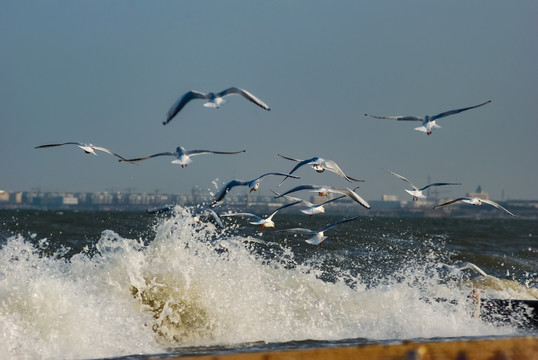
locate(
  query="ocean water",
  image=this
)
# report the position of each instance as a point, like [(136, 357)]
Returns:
[(86, 285)]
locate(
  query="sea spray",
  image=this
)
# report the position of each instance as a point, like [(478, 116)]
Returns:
[(194, 284)]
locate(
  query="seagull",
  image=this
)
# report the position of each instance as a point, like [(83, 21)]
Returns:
[(253, 184), (475, 201), (325, 190), (319, 235), (214, 100), (262, 222), (183, 157), (311, 209), (88, 148), (470, 266), (416, 193), (428, 122), (320, 165)]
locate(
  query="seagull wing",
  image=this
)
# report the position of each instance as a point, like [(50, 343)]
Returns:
[(289, 158), (300, 231), (215, 217), (450, 202), (337, 223), (332, 166), (110, 152), (352, 194), (468, 265), (65, 143), (402, 178), (200, 152), (399, 118), (457, 111), (250, 215), (300, 163), (286, 205), (246, 95), (174, 154), (181, 102), (331, 200), (493, 203), (224, 190), (438, 184), (300, 187), (295, 200), (277, 174)]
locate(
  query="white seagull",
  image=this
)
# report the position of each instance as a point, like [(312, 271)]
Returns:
[(319, 235), (319, 165), (477, 202), (311, 209), (428, 122), (325, 190), (256, 220), (88, 148), (253, 185), (183, 157), (463, 266), (416, 193), (214, 100)]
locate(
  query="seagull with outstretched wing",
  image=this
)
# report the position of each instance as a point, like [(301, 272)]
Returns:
[(214, 100), (183, 157), (416, 193), (253, 185), (311, 209), (477, 202), (319, 165), (88, 148), (428, 122), (325, 190), (318, 235)]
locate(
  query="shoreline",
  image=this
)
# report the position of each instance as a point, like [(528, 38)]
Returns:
[(525, 347)]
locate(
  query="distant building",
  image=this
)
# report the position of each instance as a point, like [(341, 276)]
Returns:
[(387, 197), (479, 194)]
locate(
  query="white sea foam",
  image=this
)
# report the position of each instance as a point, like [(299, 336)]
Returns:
[(188, 287)]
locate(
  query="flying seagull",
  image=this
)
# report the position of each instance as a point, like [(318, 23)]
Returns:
[(325, 190), (475, 201), (428, 122), (320, 165), (256, 220), (183, 157), (318, 236), (416, 193), (88, 148), (311, 209), (214, 100), (463, 266), (252, 184)]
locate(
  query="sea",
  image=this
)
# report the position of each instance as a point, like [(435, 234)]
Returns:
[(134, 285)]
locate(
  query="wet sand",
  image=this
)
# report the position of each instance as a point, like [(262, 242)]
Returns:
[(490, 349)]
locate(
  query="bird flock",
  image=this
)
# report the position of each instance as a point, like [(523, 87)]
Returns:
[(183, 158)]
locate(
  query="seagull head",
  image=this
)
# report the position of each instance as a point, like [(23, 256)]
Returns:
[(88, 149), (318, 167), (254, 185)]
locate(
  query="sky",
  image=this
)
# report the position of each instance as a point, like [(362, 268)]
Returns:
[(106, 73)]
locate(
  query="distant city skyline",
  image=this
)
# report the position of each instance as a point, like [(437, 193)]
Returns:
[(107, 72)]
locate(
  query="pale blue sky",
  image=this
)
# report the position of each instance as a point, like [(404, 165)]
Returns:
[(106, 72)]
